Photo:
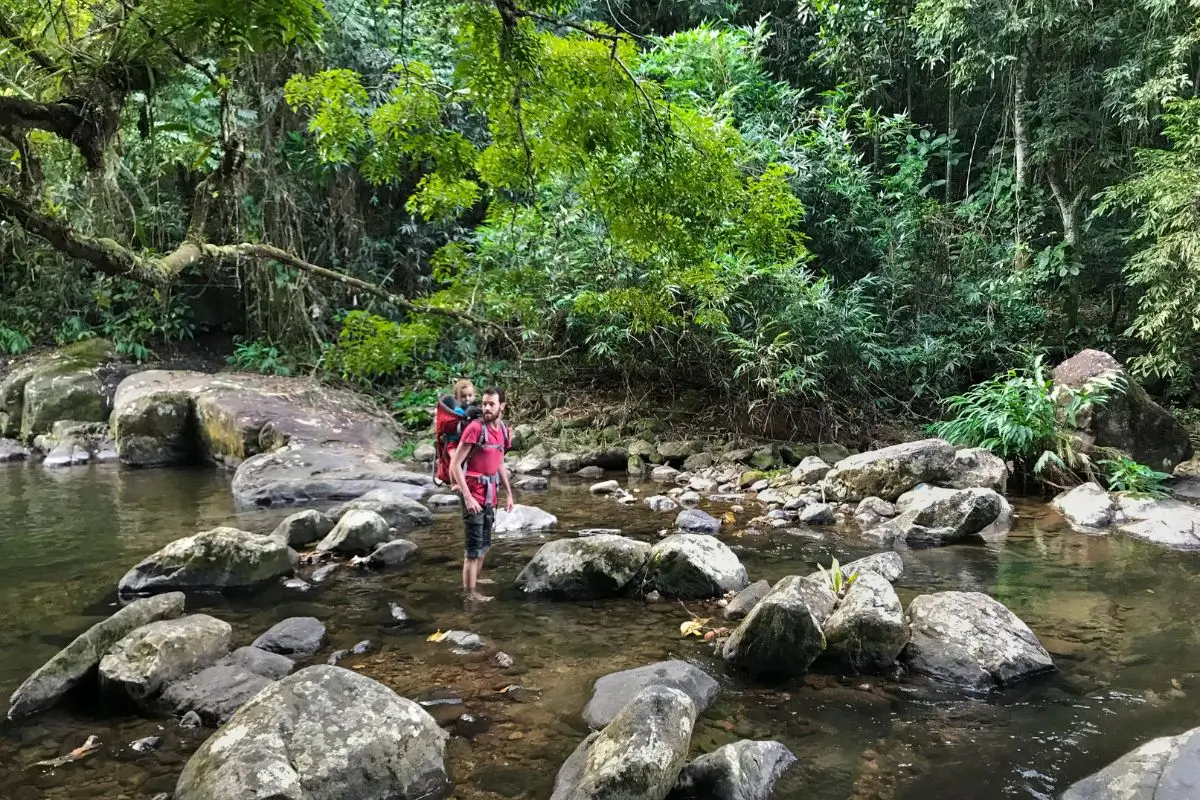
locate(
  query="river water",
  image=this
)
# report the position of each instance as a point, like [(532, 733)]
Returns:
[(1116, 614)]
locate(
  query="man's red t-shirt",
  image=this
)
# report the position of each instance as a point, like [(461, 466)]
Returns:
[(484, 460)]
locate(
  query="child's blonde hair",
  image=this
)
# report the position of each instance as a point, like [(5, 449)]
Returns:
[(461, 386)]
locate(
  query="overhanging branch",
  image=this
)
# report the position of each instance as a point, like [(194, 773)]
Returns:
[(112, 258)]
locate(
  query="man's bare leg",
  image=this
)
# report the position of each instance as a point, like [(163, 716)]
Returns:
[(472, 592)]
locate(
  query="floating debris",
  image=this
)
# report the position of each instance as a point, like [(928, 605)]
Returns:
[(87, 748), (146, 744)]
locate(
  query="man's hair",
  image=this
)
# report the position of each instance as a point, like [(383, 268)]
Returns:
[(497, 392)]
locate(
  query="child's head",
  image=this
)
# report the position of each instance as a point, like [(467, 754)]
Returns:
[(464, 392)]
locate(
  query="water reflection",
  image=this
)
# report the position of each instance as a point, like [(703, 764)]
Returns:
[(1114, 612)]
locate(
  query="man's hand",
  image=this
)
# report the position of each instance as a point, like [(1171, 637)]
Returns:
[(508, 503), (472, 504)]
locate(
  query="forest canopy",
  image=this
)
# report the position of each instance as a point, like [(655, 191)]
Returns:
[(864, 206)]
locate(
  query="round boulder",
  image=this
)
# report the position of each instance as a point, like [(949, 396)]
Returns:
[(584, 569), (215, 559), (691, 565), (781, 637), (323, 733), (156, 654)]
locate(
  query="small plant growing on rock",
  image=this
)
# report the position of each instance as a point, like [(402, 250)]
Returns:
[(1131, 478), (837, 581)]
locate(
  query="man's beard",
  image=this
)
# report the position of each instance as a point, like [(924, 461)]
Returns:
[(489, 416)]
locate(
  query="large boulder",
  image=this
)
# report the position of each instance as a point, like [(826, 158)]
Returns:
[(867, 631), (810, 470), (637, 756), (323, 733), (1129, 420), (584, 569), (891, 471), (972, 640), (153, 422), (161, 652), (743, 770), (303, 472), (74, 662), (978, 467), (781, 637), (523, 518), (932, 516), (1086, 508), (393, 503), (613, 692), (214, 694), (216, 559), (693, 565), (1167, 768), (358, 531), (298, 637), (66, 384)]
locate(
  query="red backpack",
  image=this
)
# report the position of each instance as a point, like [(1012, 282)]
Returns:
[(448, 428)]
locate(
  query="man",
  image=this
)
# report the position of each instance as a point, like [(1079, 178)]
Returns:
[(478, 469)]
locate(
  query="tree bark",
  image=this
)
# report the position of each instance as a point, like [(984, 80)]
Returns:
[(1020, 125), (1068, 207)]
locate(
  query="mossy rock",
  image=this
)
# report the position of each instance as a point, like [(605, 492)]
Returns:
[(792, 454), (55, 386), (764, 458), (751, 477), (832, 452)]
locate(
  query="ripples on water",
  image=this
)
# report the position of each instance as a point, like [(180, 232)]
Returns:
[(1115, 613)]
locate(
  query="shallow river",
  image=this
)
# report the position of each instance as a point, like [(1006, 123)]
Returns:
[(1116, 614)]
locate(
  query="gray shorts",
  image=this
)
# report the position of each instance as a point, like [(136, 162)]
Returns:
[(477, 531)]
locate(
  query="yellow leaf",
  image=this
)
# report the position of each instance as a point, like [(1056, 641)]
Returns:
[(729, 518), (693, 627), (436, 637)]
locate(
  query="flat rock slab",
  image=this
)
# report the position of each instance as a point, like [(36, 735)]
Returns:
[(215, 559), (52, 680), (302, 472), (156, 654), (613, 692)]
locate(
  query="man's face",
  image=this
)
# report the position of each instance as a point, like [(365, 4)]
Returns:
[(492, 408)]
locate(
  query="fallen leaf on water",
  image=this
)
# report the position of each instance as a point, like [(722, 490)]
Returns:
[(729, 518), (692, 627), (1176, 683), (436, 637), (91, 745)]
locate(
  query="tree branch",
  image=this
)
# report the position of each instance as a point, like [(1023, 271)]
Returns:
[(43, 61), (112, 258), (77, 120)]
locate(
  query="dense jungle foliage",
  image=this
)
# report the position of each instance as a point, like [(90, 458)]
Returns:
[(842, 211)]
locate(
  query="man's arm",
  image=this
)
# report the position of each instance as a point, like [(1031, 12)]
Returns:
[(508, 498)]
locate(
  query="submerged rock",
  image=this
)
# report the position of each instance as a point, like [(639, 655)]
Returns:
[(584, 569), (744, 770), (532, 483), (972, 640), (523, 518), (214, 694), (158, 653), (303, 527), (358, 531), (1087, 508), (637, 756), (782, 636), (1129, 421), (691, 565), (891, 471), (867, 631), (53, 679), (746, 599), (323, 733), (295, 636), (613, 692), (693, 520), (1167, 768), (215, 559)]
